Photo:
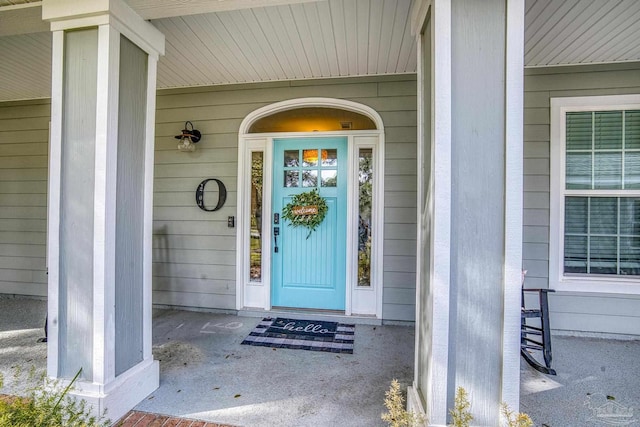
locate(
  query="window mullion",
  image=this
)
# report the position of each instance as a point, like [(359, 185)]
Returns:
[(588, 235), (624, 141), (618, 238), (593, 150)]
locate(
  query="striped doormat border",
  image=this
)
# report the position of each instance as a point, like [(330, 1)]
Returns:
[(340, 342)]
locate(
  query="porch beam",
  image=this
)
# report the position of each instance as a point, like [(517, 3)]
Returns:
[(156, 9), (28, 17)]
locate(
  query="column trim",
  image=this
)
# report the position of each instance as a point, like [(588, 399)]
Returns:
[(440, 264), (421, 191), (147, 256), (514, 131), (104, 219), (53, 223)]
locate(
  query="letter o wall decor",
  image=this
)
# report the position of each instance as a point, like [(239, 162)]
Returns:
[(222, 195)]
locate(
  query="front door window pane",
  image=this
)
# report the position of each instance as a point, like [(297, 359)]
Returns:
[(309, 158), (291, 158), (330, 157), (291, 179), (329, 178), (309, 178)]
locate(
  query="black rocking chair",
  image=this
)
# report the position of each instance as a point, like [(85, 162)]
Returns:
[(536, 338)]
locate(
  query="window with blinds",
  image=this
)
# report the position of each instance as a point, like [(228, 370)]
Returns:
[(602, 193)]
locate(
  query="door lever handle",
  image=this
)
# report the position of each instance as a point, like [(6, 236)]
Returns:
[(276, 232)]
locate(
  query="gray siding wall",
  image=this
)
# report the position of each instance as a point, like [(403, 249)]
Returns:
[(24, 136), (607, 313), (194, 251)]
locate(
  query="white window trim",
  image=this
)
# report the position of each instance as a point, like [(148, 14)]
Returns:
[(557, 279)]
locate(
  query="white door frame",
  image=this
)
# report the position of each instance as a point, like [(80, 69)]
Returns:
[(257, 295)]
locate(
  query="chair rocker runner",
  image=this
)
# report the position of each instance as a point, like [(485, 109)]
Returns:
[(536, 338)]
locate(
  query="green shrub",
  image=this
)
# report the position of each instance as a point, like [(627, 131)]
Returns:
[(461, 412), (398, 416), (45, 404), (515, 419)]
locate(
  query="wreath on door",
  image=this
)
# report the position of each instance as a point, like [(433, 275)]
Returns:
[(306, 210)]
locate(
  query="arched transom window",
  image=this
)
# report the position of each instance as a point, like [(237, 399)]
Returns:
[(312, 119)]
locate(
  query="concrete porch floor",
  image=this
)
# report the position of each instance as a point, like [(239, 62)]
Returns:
[(207, 375)]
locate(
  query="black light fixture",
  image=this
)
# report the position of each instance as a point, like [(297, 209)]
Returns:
[(188, 138)]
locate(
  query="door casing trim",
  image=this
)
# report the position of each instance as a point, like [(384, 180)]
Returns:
[(252, 295)]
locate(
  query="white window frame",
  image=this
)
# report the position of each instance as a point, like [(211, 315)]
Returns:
[(557, 279)]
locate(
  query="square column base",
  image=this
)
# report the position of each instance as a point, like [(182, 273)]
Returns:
[(123, 393)]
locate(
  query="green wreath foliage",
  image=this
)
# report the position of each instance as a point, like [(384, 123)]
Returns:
[(311, 221)]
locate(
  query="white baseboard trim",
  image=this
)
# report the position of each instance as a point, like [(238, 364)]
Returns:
[(123, 393)]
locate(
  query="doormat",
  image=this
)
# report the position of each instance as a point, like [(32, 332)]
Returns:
[(311, 335)]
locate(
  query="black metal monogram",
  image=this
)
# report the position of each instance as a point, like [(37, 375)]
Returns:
[(222, 195)]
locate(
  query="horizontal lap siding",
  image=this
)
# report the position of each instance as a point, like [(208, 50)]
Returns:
[(24, 131), (194, 251), (605, 313)]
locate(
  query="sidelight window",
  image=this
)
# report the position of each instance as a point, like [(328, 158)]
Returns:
[(255, 222), (365, 207)]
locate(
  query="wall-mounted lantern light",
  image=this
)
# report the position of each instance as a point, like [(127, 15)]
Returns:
[(188, 138)]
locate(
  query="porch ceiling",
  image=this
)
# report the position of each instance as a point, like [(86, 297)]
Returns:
[(302, 39)]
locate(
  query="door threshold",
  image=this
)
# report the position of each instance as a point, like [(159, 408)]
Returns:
[(307, 313), (309, 310)]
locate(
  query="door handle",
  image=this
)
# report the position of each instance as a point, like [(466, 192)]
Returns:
[(276, 233)]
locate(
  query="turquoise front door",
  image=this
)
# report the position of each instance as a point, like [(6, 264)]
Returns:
[(309, 271)]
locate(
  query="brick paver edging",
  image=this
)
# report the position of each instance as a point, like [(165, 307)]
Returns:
[(145, 419)]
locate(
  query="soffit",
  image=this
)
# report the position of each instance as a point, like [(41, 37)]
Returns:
[(320, 39), (573, 32), (298, 41)]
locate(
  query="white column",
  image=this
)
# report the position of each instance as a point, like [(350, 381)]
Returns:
[(471, 201), (100, 190)]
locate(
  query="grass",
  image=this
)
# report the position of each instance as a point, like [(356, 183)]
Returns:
[(45, 404)]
